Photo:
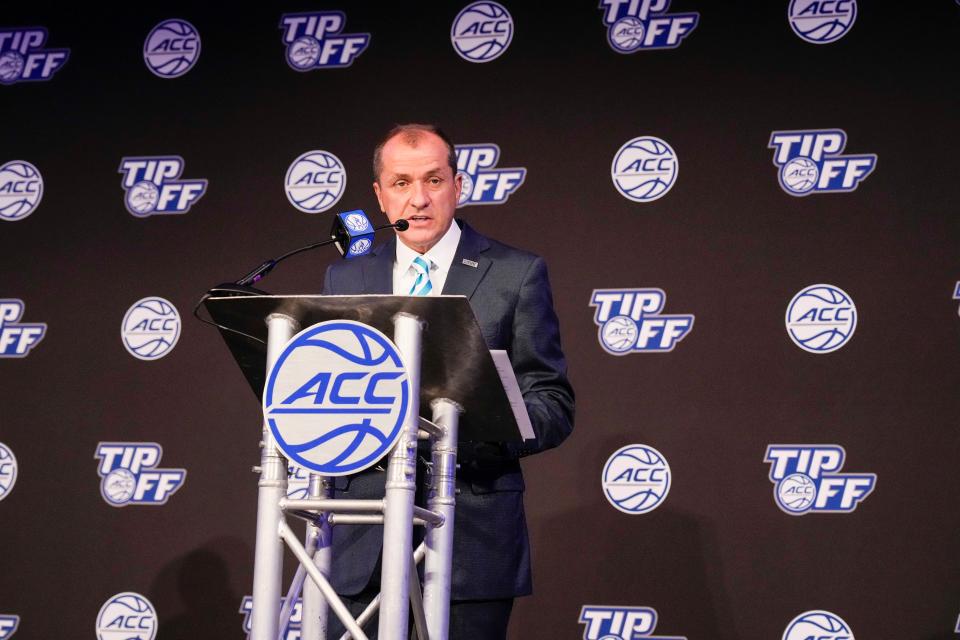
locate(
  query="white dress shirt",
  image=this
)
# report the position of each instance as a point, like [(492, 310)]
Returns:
[(440, 257)]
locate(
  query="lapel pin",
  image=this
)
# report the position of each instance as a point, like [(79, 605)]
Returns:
[(471, 263)]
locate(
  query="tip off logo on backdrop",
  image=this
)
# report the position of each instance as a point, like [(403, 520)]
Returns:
[(17, 338), (630, 321), (482, 183), (336, 398), (637, 25), (620, 623), (806, 479), (152, 186), (314, 40), (129, 475), (23, 58), (809, 162)]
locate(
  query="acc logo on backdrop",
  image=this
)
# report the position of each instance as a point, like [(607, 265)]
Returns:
[(810, 161), (23, 60), (315, 181), (821, 625), (8, 625), (634, 25), (620, 623), (482, 184), (292, 631), (482, 31), (21, 188), (172, 48), (822, 21), (17, 338), (645, 169), (636, 479), (150, 328), (336, 398), (806, 479), (314, 41), (630, 321), (821, 318), (8, 470), (127, 616), (130, 475), (153, 187)]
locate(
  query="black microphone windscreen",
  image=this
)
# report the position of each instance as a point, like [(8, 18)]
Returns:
[(402, 225)]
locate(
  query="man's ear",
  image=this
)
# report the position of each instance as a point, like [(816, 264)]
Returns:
[(376, 190), (458, 184)]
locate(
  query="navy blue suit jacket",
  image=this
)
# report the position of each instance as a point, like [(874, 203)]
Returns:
[(510, 295)]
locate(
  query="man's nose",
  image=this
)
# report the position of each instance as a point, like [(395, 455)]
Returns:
[(420, 198)]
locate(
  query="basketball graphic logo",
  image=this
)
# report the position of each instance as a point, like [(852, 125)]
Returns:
[(8, 470), (118, 486), (172, 48), (818, 624), (636, 479), (799, 175), (360, 247), (482, 31), (11, 67), (21, 188), (304, 52), (644, 169), (142, 198), (127, 616), (821, 22), (466, 188), (336, 398), (618, 335), (626, 34), (796, 493), (821, 318), (315, 181), (151, 328)]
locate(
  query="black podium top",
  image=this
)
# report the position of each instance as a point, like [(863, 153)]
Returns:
[(455, 363)]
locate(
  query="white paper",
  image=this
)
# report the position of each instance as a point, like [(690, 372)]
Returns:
[(502, 362)]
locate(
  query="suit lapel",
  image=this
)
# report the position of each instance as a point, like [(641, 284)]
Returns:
[(378, 272), (463, 277)]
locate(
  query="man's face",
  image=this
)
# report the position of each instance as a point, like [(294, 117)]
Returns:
[(417, 184)]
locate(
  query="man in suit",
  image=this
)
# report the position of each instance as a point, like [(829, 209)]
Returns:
[(415, 178)]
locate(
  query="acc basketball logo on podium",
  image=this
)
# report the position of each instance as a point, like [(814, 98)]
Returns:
[(127, 616), (153, 187), (23, 60), (21, 188), (314, 40), (172, 48), (633, 25), (630, 321), (130, 475), (818, 625), (482, 184), (482, 31), (806, 479), (620, 623), (810, 162), (636, 479), (336, 397)]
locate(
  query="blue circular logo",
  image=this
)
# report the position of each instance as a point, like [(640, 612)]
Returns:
[(819, 624), (151, 328), (626, 34), (821, 318), (821, 22), (482, 31), (336, 398), (636, 479), (799, 176), (303, 53), (127, 616), (21, 188), (644, 169), (796, 493), (315, 181), (11, 67), (172, 48), (8, 470)]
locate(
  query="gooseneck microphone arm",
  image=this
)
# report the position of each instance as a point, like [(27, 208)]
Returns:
[(268, 265)]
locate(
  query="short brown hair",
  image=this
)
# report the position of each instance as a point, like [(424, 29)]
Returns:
[(411, 135)]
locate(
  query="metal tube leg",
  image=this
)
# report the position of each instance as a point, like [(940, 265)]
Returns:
[(437, 568), (315, 609), (268, 556), (401, 487)]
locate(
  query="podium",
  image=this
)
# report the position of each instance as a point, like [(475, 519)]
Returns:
[(450, 370)]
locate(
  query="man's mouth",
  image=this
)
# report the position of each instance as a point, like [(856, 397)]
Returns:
[(418, 218)]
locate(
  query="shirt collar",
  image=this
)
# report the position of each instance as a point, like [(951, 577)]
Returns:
[(440, 254)]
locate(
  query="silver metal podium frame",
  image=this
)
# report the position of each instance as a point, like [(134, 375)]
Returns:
[(400, 584)]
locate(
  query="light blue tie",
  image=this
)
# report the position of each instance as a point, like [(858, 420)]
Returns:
[(422, 286)]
